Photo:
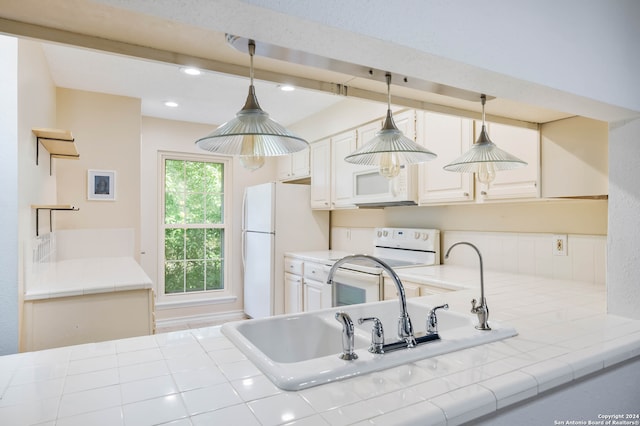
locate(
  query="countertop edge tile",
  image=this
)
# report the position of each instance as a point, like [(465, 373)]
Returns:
[(549, 374), (467, 403)]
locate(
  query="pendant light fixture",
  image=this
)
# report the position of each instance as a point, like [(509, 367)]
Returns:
[(484, 158), (390, 149), (252, 135)]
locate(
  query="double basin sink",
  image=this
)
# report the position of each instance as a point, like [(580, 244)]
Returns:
[(298, 351)]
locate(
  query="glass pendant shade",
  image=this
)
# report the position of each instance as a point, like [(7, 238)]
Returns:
[(251, 134), (484, 158), (390, 149)]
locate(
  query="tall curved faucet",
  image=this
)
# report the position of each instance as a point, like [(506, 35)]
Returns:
[(405, 329), (481, 310)]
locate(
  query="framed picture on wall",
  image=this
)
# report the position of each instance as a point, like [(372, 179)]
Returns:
[(101, 185)]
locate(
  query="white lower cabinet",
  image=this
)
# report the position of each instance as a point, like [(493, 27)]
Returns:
[(293, 271), (292, 293), (315, 295)]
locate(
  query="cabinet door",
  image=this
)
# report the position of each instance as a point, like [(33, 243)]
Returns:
[(300, 164), (321, 174), (312, 296), (518, 183), (341, 171), (449, 137), (292, 293), (284, 167), (293, 166)]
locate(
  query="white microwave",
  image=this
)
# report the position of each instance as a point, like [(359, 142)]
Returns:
[(370, 189)]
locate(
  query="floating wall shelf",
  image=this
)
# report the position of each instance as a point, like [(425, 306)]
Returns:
[(51, 208), (59, 143)]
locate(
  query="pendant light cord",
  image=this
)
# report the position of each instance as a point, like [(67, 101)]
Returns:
[(483, 100)]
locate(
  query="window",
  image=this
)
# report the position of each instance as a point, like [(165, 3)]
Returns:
[(194, 226)]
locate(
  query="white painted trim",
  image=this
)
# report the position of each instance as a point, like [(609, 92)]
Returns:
[(192, 303)]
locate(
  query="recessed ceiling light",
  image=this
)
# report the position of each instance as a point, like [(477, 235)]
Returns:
[(191, 71), (287, 88), (171, 104)]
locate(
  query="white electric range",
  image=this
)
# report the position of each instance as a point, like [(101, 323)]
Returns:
[(363, 281)]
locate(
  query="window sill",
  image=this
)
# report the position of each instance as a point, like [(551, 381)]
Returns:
[(190, 303)]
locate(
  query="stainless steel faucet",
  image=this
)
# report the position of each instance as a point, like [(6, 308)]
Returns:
[(348, 332), (432, 319), (405, 329), (481, 310)]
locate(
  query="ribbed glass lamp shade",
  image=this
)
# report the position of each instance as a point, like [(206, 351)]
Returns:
[(390, 149), (252, 133), (484, 158), (482, 152)]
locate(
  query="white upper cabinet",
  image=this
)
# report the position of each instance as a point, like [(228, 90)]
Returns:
[(341, 171), (331, 176), (521, 183), (294, 166), (321, 174), (449, 137)]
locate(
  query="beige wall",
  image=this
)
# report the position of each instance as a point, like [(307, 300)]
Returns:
[(159, 136), (36, 108), (587, 217), (107, 133)]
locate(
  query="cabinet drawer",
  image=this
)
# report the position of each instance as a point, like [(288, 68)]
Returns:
[(314, 271), (293, 266)]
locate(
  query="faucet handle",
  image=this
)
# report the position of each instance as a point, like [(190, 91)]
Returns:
[(432, 319), (377, 335)]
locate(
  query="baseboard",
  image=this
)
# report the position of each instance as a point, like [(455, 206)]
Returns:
[(201, 318)]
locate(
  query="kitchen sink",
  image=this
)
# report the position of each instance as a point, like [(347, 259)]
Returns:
[(297, 351)]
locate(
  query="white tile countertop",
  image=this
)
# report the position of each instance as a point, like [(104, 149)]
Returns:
[(197, 377), (77, 277)]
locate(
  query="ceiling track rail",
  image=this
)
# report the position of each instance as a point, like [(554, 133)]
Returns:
[(54, 35)]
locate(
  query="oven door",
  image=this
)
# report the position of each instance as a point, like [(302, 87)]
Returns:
[(351, 287)]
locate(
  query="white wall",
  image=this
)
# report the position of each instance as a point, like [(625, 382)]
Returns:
[(623, 276), (9, 195)]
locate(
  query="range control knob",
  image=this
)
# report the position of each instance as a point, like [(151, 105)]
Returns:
[(385, 233), (416, 235), (379, 234), (425, 236)]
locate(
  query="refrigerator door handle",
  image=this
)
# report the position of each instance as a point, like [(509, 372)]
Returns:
[(243, 249), (244, 211), (243, 229)]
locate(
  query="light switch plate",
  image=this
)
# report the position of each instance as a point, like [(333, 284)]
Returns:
[(559, 245)]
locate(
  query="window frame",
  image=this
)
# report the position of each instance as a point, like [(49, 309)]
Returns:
[(196, 296)]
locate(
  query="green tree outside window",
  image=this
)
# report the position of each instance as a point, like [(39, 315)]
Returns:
[(193, 226)]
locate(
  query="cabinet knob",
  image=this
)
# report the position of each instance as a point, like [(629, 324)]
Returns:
[(483, 192), (466, 194)]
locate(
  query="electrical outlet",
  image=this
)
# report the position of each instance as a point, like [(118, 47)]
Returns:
[(559, 245)]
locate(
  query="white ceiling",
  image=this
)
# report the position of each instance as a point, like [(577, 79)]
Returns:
[(210, 98)]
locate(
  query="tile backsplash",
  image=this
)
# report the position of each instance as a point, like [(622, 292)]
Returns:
[(521, 253)]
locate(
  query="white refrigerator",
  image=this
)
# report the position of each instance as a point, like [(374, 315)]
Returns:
[(276, 218)]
